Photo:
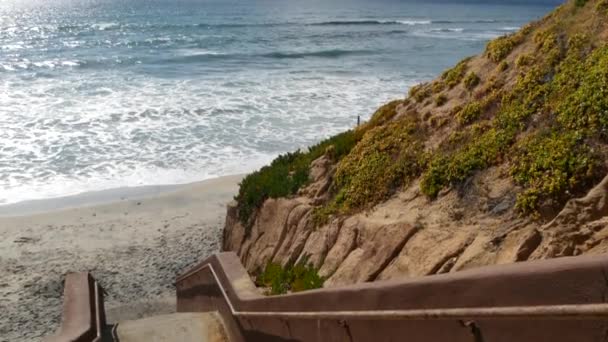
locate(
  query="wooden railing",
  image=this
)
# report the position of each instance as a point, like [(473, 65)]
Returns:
[(554, 300), (83, 312), (560, 300)]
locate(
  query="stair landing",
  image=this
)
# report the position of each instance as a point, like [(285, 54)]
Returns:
[(186, 327)]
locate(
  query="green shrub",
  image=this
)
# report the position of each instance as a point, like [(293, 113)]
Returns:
[(420, 92), (385, 113), (438, 86), (283, 177), (291, 278), (585, 86), (435, 178), (503, 66), (578, 45), (551, 165), (551, 42), (452, 77), (471, 81), (527, 98), (322, 214), (602, 7), (469, 113), (499, 48), (580, 3), (387, 157), (287, 174), (480, 151), (524, 60), (573, 90), (441, 100)]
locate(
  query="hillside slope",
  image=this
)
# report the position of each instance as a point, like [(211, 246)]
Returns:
[(500, 159)]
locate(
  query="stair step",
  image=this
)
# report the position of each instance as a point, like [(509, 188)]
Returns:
[(186, 327)]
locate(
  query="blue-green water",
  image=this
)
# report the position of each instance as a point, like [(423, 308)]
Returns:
[(103, 94)]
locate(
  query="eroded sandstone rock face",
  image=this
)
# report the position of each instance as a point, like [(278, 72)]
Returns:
[(268, 231), (234, 232), (376, 245), (578, 228), (410, 235)]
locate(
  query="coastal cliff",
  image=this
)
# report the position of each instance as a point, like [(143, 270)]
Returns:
[(501, 159)]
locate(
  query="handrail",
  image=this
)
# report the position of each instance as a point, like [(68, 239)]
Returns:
[(83, 313), (559, 300), (557, 312), (99, 311)]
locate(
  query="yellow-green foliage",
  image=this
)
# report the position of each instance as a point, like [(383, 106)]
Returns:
[(548, 167), (420, 92), (503, 66), (385, 113), (291, 278), (524, 60), (455, 110), (549, 45), (578, 45), (471, 81), (546, 40), (438, 86), (585, 88), (386, 158), (501, 47), (452, 77), (478, 149), (552, 165), (469, 113), (602, 7), (322, 214), (526, 98), (440, 100)]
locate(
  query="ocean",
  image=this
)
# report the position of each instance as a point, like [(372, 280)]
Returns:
[(105, 94)]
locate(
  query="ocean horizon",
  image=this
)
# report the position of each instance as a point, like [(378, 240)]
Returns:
[(97, 95)]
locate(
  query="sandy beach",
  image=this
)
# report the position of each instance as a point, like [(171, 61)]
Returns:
[(134, 241)]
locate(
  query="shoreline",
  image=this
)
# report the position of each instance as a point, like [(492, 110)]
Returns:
[(134, 241), (102, 197)]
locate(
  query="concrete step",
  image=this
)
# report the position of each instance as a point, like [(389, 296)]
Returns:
[(186, 327)]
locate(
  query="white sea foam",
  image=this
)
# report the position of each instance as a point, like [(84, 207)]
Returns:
[(198, 52), (457, 29), (7, 67), (104, 26), (70, 63), (26, 64), (62, 136), (414, 22), (12, 47), (44, 64), (72, 43)]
